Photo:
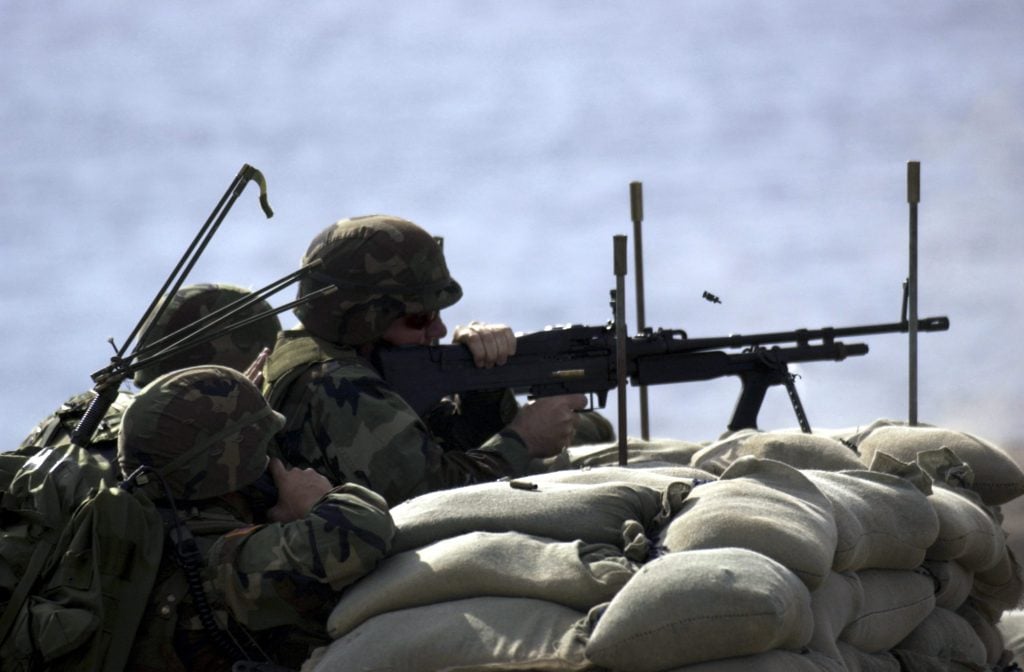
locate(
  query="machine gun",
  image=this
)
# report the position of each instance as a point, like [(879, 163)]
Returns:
[(582, 359)]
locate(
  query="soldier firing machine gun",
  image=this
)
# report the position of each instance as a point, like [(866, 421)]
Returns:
[(595, 359)]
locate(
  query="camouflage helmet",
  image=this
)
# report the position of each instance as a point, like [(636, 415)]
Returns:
[(384, 267), (205, 429), (237, 349)]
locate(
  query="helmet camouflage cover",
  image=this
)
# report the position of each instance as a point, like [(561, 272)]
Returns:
[(236, 349), (383, 267), (204, 429)]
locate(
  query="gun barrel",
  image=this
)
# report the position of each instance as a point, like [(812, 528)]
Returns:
[(804, 336)]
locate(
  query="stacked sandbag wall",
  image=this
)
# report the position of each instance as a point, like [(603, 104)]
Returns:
[(879, 549)]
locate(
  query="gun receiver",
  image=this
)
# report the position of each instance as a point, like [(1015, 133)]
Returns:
[(582, 359)]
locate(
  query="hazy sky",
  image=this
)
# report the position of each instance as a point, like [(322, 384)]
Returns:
[(771, 138)]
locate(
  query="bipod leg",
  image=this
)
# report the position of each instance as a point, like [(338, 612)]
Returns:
[(794, 398)]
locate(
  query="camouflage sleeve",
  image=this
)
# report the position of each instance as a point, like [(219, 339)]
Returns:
[(289, 573), (352, 427), (466, 421)]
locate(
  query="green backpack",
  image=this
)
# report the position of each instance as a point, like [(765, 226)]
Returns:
[(78, 559)]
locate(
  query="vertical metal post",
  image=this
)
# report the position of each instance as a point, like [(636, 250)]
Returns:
[(636, 203), (619, 243), (440, 244), (913, 198)]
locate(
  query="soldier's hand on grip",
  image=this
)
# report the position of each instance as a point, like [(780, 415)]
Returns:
[(547, 425)]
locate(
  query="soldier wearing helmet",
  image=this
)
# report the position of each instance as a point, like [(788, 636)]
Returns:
[(346, 422), (236, 349), (200, 436)]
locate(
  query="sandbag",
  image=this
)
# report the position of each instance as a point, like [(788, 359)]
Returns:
[(765, 506), (998, 588), (697, 476), (953, 582), (855, 435), (770, 661), (693, 606), (834, 604), (946, 636), (997, 477), (492, 633), (967, 532), (894, 603), (594, 513), (861, 661), (908, 471), (659, 477), (986, 631), (882, 520), (913, 661), (803, 451), (638, 452), (506, 564)]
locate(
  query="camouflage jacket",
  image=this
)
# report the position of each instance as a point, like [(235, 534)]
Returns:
[(277, 581), (346, 422)]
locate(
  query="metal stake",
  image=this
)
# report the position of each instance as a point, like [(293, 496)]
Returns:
[(620, 340), (636, 202), (913, 198)]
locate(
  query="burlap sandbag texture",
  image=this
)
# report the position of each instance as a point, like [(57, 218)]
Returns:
[(594, 513), (803, 451), (997, 477), (886, 551), (693, 606), (499, 564), (482, 633), (882, 520), (765, 506)]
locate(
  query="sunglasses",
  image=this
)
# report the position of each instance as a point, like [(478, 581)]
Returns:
[(420, 320)]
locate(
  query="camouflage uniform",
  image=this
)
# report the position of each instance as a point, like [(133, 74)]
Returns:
[(205, 431), (343, 419), (237, 350)]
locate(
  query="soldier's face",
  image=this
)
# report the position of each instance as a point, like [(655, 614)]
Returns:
[(418, 329)]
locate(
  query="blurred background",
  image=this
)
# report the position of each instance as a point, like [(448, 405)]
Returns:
[(771, 138)]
